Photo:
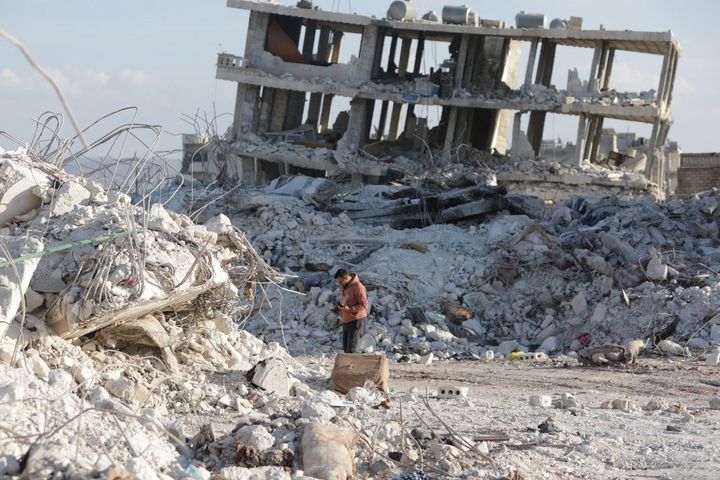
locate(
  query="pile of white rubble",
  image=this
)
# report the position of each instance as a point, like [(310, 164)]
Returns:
[(589, 272)]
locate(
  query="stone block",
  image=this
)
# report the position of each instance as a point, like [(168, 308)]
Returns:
[(540, 401)]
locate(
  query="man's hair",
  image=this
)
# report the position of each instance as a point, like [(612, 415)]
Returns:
[(341, 273)]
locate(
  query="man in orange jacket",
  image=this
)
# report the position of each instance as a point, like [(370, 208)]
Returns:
[(352, 308)]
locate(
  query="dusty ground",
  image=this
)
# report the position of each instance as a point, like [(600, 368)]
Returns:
[(679, 441)]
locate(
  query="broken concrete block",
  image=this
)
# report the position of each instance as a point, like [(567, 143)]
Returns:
[(622, 404), (33, 300), (220, 225), (318, 411), (159, 219), (258, 473), (540, 401), (17, 184), (37, 364), (715, 333), (255, 436), (713, 359), (654, 405), (668, 347), (272, 376), (599, 314), (579, 304), (68, 197), (353, 370), (657, 270), (566, 401), (550, 344), (84, 373), (426, 359), (715, 403), (15, 278), (122, 388), (507, 347)]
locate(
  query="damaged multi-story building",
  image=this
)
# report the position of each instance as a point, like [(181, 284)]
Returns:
[(322, 92)]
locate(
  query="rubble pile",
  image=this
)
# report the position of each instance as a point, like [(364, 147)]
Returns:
[(119, 329), (590, 272)]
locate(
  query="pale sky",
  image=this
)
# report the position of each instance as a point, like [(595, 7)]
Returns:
[(159, 55)]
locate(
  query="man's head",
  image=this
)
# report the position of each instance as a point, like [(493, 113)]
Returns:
[(343, 277)]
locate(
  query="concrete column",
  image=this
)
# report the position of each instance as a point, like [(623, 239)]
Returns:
[(671, 79), (608, 69), (395, 121), (650, 165), (419, 51), (247, 95), (479, 52), (592, 81), (265, 109), (546, 63), (336, 43), (258, 25), (351, 141), (531, 62), (279, 111), (378, 54), (323, 53), (404, 56), (536, 126), (449, 136), (309, 41), (517, 122), (325, 114), (461, 61), (386, 103), (471, 62), (402, 70), (245, 101), (669, 62), (313, 115), (592, 124), (602, 64), (580, 144), (368, 48), (596, 139)]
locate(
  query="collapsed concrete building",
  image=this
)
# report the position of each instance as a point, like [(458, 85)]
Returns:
[(291, 76)]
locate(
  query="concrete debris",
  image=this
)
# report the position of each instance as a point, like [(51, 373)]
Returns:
[(522, 301), (540, 401), (271, 375)]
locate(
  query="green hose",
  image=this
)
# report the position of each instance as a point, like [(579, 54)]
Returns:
[(62, 247)]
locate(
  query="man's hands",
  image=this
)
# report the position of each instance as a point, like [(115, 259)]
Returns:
[(340, 308)]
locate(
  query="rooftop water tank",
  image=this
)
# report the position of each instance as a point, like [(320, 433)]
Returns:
[(558, 23), (530, 20), (462, 15), (402, 11), (431, 16)]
